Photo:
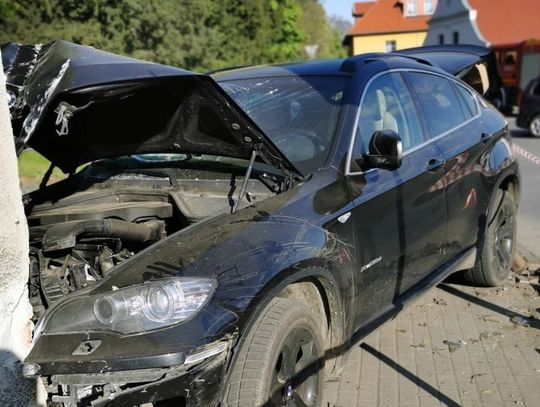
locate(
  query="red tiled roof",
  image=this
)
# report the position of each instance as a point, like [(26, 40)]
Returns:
[(507, 21), (385, 16), (360, 9)]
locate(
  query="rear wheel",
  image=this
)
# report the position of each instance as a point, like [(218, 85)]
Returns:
[(497, 246), (281, 360), (534, 126)]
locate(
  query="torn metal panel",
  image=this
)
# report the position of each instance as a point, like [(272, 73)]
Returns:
[(76, 104)]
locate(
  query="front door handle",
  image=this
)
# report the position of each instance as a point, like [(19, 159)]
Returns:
[(434, 164)]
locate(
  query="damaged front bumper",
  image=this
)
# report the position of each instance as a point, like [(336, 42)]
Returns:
[(196, 381)]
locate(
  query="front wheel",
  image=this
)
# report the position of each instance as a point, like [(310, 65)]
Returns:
[(281, 362), (496, 248), (534, 126)]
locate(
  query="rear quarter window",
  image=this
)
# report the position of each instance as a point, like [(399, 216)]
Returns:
[(468, 103)]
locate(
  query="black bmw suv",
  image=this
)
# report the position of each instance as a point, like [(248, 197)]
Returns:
[(234, 234)]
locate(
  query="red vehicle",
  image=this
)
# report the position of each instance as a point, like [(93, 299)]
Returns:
[(518, 64)]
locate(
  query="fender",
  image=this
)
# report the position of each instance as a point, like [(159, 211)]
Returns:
[(250, 253), (502, 162), (324, 280)]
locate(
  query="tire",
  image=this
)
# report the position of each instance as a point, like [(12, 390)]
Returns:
[(534, 126), (496, 248), (285, 345)]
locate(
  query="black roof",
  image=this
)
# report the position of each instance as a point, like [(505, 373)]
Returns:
[(334, 67), (444, 58)]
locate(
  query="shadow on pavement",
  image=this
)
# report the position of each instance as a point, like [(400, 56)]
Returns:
[(520, 133), (447, 401), (519, 319)]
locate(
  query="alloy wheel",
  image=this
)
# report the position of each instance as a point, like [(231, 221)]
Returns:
[(295, 379), (534, 127), (504, 239)]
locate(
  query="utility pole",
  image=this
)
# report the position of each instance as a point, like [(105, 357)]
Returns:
[(15, 308)]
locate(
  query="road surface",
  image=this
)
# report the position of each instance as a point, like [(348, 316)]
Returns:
[(527, 150)]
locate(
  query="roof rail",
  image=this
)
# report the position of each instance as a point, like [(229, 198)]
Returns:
[(351, 64)]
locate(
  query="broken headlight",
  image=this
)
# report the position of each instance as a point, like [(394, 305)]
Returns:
[(133, 309)]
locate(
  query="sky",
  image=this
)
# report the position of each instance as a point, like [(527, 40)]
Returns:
[(342, 8)]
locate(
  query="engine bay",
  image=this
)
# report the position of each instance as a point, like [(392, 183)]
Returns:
[(82, 227)]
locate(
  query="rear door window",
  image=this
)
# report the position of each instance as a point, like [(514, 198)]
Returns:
[(440, 104)]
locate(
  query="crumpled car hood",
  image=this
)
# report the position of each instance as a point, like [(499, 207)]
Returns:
[(76, 104)]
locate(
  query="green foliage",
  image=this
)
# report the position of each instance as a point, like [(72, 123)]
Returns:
[(7, 9), (198, 35), (32, 166), (319, 31)]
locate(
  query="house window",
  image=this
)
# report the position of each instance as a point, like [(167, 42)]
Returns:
[(441, 39), (411, 8), (390, 46), (428, 6), (456, 37)]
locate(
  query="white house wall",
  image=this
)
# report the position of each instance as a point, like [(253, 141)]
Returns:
[(454, 16)]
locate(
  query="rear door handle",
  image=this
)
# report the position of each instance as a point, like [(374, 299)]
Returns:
[(434, 164)]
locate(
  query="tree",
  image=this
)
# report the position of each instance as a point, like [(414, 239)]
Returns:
[(340, 24), (198, 35), (319, 31)]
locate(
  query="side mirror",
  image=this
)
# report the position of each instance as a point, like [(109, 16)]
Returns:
[(385, 151)]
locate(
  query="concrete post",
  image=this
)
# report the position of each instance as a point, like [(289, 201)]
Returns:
[(15, 308)]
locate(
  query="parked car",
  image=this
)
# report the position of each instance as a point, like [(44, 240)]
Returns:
[(529, 111), (236, 233)]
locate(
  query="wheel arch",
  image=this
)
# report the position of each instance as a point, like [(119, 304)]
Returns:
[(510, 184), (310, 283), (316, 292)]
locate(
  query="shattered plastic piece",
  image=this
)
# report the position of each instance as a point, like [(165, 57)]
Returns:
[(475, 375), (452, 346), (519, 263), (439, 301), (522, 321), (422, 344)]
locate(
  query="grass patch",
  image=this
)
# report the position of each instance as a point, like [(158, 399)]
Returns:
[(32, 167)]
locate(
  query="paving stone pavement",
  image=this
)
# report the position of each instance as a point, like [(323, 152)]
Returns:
[(456, 346)]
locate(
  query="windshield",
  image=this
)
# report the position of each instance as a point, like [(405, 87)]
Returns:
[(298, 114)]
